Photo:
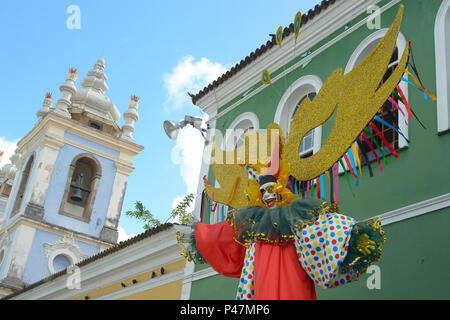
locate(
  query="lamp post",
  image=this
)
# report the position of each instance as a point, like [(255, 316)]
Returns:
[(172, 128)]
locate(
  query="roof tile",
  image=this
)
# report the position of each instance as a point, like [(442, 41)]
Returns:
[(262, 49)]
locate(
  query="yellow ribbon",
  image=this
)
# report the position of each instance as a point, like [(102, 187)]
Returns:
[(355, 152), (432, 96)]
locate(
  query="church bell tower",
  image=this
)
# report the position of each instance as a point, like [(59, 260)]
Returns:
[(61, 196)]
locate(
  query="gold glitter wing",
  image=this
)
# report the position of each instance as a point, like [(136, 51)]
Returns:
[(231, 173), (356, 97)]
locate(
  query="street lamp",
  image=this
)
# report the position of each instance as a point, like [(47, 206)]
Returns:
[(172, 128)]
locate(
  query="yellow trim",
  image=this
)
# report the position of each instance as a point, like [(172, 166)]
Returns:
[(143, 277), (170, 291)]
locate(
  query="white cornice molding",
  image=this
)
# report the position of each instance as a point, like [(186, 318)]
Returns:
[(204, 273), (56, 230), (415, 209), (54, 126), (322, 26)]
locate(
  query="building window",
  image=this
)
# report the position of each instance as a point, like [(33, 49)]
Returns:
[(81, 187), (235, 134), (95, 125), (388, 111), (442, 47), (22, 186), (307, 145), (239, 139), (304, 87)]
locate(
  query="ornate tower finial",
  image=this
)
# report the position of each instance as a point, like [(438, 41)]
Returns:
[(130, 116), (46, 105), (67, 89)]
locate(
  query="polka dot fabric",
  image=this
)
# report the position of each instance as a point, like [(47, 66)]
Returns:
[(245, 288), (322, 247)]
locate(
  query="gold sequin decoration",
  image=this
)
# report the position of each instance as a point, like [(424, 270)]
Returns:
[(237, 190), (357, 96)]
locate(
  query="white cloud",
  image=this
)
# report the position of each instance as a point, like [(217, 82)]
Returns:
[(187, 153), (8, 148), (123, 234), (189, 76)]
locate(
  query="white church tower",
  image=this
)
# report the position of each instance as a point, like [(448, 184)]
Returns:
[(61, 196)]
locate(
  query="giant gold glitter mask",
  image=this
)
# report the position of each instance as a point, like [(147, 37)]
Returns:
[(355, 98)]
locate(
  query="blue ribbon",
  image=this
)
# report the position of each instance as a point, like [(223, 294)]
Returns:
[(352, 160), (322, 186), (426, 96), (377, 118)]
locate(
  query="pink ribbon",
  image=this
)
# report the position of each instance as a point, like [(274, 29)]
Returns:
[(307, 188), (373, 150), (399, 109)]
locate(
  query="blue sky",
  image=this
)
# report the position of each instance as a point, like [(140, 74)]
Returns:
[(157, 50)]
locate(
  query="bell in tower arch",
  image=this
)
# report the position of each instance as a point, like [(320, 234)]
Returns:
[(77, 184)]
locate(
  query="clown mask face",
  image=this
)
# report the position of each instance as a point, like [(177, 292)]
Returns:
[(269, 196)]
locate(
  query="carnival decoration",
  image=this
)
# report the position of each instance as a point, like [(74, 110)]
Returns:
[(279, 238), (297, 24)]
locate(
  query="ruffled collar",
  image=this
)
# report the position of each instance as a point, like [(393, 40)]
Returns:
[(276, 225)]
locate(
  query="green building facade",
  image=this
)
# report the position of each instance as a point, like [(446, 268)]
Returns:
[(412, 196)]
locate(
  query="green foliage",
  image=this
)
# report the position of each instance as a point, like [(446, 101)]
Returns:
[(141, 213), (180, 211)]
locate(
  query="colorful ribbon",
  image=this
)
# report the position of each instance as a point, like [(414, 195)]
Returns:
[(307, 188), (385, 142), (419, 85), (353, 162), (405, 102), (336, 183), (330, 181), (349, 166), (377, 145), (410, 110), (346, 176), (322, 188), (394, 103), (355, 152), (426, 96), (366, 159), (373, 150), (377, 118)]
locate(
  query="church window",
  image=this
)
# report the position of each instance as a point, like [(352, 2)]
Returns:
[(95, 125), (22, 186)]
